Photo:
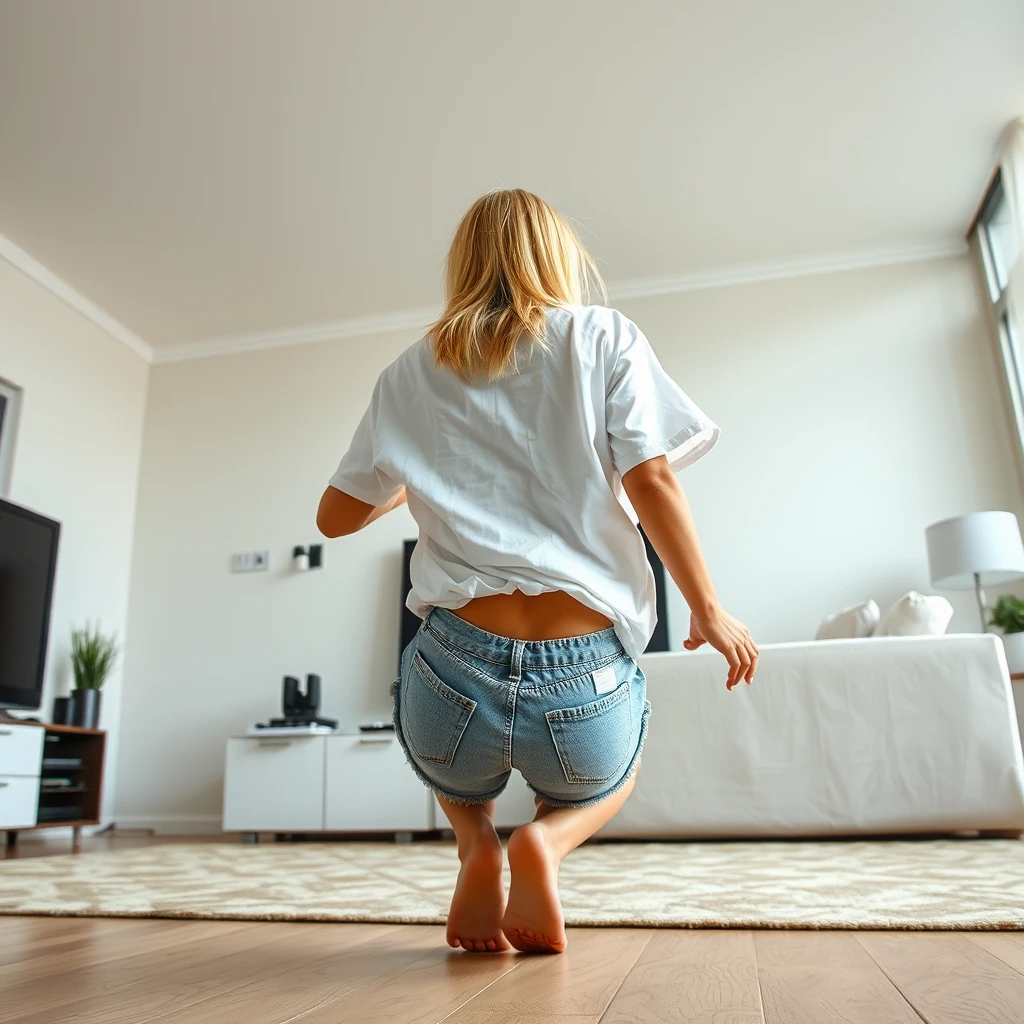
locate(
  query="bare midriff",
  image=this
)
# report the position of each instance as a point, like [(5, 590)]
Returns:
[(553, 616)]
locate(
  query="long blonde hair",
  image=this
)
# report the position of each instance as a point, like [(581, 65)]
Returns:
[(512, 257)]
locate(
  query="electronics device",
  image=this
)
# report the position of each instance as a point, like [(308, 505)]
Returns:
[(659, 640), (28, 567), (300, 707)]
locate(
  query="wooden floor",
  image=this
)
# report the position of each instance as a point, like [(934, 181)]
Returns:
[(99, 971)]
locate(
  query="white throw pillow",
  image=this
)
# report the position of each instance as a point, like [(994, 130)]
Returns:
[(915, 614), (858, 620)]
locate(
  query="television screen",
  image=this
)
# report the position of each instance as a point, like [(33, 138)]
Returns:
[(659, 641), (28, 564)]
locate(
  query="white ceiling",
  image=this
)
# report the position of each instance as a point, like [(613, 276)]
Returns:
[(202, 168)]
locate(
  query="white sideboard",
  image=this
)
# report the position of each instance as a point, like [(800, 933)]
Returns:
[(323, 783), (338, 783), (21, 757)]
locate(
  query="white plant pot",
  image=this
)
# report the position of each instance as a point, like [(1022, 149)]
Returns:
[(1013, 644)]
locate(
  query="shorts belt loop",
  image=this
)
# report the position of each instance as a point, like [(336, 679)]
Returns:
[(517, 660)]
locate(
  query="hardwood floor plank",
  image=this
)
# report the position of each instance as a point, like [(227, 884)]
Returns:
[(948, 978), (1008, 946), (21, 936), (427, 990), (307, 985), (136, 987), (824, 978), (511, 1017), (700, 977), (580, 982), (94, 946)]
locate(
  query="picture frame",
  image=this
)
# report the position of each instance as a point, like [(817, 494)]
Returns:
[(10, 412)]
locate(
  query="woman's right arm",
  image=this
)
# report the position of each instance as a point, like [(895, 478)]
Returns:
[(656, 495)]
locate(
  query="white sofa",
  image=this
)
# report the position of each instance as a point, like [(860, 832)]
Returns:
[(841, 737)]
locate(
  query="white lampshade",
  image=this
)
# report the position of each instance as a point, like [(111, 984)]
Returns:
[(986, 543)]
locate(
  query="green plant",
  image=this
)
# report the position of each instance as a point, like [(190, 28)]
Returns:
[(93, 655), (1008, 615)]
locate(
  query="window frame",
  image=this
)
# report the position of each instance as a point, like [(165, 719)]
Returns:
[(1007, 332)]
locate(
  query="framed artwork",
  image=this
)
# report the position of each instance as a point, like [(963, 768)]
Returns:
[(10, 407)]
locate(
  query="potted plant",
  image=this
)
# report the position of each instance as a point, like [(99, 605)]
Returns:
[(93, 657), (1008, 617)]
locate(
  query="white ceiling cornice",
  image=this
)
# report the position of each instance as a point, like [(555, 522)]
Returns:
[(57, 286), (419, 318)]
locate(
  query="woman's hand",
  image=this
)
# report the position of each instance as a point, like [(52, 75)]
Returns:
[(729, 637)]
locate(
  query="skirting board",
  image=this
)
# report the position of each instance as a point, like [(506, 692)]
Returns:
[(171, 824)]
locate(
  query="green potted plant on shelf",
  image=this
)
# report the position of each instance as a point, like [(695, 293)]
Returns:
[(1008, 618), (93, 657)]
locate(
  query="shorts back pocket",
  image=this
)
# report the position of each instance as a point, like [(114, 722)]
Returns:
[(434, 716), (594, 741)]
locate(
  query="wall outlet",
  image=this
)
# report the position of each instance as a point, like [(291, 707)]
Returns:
[(250, 561)]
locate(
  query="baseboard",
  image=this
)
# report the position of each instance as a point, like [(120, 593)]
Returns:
[(170, 824)]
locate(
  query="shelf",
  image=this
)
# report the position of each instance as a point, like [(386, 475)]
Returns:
[(62, 790)]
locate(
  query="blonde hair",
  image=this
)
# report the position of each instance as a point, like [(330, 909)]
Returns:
[(512, 258)]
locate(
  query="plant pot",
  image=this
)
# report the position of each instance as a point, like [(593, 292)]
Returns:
[(85, 708), (1013, 644)]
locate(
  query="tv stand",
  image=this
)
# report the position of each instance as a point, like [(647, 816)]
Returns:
[(51, 776)]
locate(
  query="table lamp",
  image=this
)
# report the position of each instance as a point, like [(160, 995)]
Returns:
[(975, 550)]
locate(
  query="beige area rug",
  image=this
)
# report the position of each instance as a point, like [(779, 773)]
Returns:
[(888, 884)]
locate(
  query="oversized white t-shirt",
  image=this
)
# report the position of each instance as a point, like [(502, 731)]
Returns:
[(515, 483)]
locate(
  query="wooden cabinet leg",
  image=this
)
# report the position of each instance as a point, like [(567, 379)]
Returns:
[(76, 838), (12, 839)]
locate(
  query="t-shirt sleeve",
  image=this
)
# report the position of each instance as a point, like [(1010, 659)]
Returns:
[(647, 413), (360, 472)]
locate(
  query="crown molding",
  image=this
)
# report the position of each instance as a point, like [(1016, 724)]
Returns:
[(419, 318), (776, 270), (635, 288), (403, 320), (57, 286)]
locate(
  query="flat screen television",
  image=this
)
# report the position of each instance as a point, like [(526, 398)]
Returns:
[(28, 565), (659, 641)]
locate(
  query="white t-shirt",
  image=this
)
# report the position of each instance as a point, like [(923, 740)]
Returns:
[(515, 484)]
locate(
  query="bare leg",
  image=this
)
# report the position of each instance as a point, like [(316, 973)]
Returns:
[(474, 920), (533, 920)]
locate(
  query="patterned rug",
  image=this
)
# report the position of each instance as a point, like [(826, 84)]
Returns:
[(949, 883)]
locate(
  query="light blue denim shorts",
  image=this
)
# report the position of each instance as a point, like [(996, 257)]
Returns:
[(570, 715)]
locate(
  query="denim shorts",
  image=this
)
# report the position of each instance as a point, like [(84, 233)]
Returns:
[(570, 715)]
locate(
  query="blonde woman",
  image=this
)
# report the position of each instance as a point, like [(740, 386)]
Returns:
[(527, 433)]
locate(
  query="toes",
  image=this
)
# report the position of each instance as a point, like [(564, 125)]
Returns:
[(491, 945), (467, 944)]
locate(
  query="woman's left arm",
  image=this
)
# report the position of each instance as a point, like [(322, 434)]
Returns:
[(340, 514)]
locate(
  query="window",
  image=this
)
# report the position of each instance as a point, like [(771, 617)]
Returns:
[(996, 236)]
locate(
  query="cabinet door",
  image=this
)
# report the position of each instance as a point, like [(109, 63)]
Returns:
[(19, 799), (514, 807), (274, 784), (21, 749), (371, 788)]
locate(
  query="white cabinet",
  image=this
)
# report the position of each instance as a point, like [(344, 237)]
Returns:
[(19, 801), (21, 749), (325, 783), (514, 807), (274, 784), (370, 787), (21, 759)]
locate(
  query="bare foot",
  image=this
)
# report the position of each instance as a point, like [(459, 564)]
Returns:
[(533, 920), (474, 920)]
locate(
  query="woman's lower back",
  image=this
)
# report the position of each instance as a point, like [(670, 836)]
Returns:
[(551, 616)]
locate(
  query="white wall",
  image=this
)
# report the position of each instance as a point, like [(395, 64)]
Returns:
[(856, 408), (77, 460)]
